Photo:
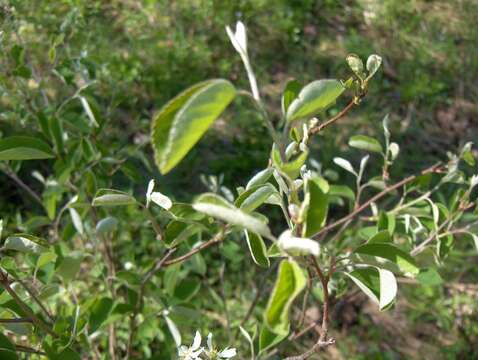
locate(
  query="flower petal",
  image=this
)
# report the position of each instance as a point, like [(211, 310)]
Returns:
[(149, 191), (197, 341), (209, 341), (227, 353)]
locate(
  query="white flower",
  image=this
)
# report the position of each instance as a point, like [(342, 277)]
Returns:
[(297, 245), (215, 354), (192, 352), (156, 197)]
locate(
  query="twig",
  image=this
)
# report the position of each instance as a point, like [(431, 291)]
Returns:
[(25, 308), (320, 127), (28, 350), (358, 210), (216, 239), (31, 292), (15, 321), (24, 186), (139, 303)]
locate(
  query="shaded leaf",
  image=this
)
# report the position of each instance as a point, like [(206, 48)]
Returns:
[(257, 248), (24, 148)]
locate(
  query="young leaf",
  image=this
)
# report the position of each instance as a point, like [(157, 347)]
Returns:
[(296, 245), (378, 284), (317, 191), (365, 143), (313, 98), (99, 313), (24, 148), (289, 284), (356, 64), (219, 208), (110, 197), (257, 248), (390, 252), (260, 178), (182, 122), (345, 164), (290, 168), (254, 197), (268, 339), (373, 63), (26, 243), (291, 91)]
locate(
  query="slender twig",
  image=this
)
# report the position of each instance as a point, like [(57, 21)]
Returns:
[(139, 303), (28, 350), (15, 321), (31, 292), (216, 239), (20, 183), (25, 308), (358, 210), (320, 127)]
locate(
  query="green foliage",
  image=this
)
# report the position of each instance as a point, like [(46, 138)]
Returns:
[(97, 262)]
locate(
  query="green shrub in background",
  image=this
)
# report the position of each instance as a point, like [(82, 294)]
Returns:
[(128, 277)]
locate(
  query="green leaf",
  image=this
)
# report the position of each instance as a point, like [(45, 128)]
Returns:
[(267, 339), (5, 344), (380, 237), (254, 197), (99, 313), (290, 168), (186, 289), (317, 192), (110, 197), (373, 64), (289, 284), (291, 91), (68, 266), (106, 225), (26, 243), (366, 143), (24, 148), (219, 208), (378, 284), (429, 277), (260, 178), (257, 248), (8, 354), (313, 98), (390, 252), (182, 122), (356, 64)]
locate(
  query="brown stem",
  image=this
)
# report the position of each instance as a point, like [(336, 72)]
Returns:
[(320, 127), (24, 186), (28, 350), (323, 341), (25, 308), (15, 321), (358, 210), (31, 292), (133, 326), (216, 239)]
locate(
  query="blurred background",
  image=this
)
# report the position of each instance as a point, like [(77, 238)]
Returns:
[(130, 56)]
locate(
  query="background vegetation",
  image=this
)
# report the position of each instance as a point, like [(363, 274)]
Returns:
[(126, 58)]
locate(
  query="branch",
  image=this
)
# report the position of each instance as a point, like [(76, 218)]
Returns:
[(15, 321), (432, 169), (216, 239), (24, 186), (25, 308), (28, 350), (320, 127), (139, 303)]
